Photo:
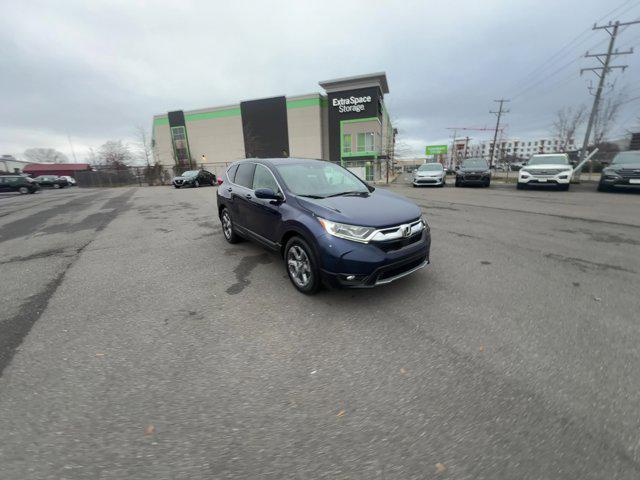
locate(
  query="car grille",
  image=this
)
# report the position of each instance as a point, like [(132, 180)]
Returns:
[(397, 270), (392, 245), (629, 172), (551, 171), (427, 180)]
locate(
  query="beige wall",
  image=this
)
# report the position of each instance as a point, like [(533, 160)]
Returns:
[(162, 151), (305, 129), (219, 139)]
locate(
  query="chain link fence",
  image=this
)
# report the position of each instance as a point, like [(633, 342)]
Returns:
[(158, 175)]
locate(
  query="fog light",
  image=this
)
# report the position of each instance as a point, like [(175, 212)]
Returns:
[(351, 277)]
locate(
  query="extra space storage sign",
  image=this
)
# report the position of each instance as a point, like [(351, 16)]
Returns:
[(351, 104)]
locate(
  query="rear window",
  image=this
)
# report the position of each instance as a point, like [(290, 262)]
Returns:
[(244, 175)]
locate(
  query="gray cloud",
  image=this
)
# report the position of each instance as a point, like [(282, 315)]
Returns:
[(94, 70)]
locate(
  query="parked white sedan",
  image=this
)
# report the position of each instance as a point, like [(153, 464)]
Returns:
[(429, 174)]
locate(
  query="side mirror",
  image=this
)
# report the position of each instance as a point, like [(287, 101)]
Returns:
[(267, 194)]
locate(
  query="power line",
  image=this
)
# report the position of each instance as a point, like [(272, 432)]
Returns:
[(605, 60), (553, 59)]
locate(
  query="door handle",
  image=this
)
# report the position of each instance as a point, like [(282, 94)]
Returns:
[(229, 189), (248, 195)]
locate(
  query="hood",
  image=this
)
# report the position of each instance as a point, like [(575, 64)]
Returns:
[(626, 166), (551, 166), (380, 208), (473, 169), (429, 173)]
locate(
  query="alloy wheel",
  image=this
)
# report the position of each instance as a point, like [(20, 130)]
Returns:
[(299, 266), (227, 228)]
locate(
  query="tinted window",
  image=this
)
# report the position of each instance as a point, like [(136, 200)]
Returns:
[(627, 158), (263, 178), (231, 174), (475, 163), (244, 175)]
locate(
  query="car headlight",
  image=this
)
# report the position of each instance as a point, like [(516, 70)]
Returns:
[(355, 233), (424, 223)]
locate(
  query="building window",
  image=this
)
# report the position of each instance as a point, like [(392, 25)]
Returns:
[(179, 137), (365, 142), (346, 143)]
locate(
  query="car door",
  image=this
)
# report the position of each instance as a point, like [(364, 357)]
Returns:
[(4, 184), (241, 192), (263, 215)]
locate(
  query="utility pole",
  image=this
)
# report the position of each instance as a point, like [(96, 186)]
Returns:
[(466, 145), (499, 113), (612, 29), (75, 160), (454, 155)]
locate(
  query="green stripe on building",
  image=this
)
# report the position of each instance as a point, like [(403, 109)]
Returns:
[(233, 112), (306, 102), (230, 112)]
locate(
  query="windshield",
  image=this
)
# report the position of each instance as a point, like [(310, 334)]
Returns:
[(320, 179), (475, 163), (190, 173), (625, 158), (549, 160), (430, 167)]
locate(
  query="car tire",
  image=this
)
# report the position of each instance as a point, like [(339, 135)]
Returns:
[(487, 184), (520, 186), (176, 186), (227, 227), (304, 274), (603, 188), (196, 184), (458, 183), (23, 190), (565, 188)]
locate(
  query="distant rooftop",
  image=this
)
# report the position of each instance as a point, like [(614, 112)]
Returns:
[(359, 81)]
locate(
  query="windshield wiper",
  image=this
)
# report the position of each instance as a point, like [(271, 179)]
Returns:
[(310, 196), (354, 192)]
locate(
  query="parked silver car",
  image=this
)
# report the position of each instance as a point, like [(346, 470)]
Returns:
[(429, 174)]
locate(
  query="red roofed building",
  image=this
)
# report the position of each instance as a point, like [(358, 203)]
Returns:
[(59, 169)]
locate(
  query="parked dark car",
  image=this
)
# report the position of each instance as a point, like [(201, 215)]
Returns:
[(195, 178), (18, 183), (624, 171), (330, 227), (473, 171), (51, 181)]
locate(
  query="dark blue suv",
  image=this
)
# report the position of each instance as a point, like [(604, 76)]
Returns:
[(330, 227)]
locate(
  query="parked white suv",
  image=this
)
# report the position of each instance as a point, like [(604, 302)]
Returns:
[(546, 169)]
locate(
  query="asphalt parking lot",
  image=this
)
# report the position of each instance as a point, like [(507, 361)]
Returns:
[(136, 343)]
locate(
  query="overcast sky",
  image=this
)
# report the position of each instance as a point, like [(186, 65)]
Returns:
[(93, 70)]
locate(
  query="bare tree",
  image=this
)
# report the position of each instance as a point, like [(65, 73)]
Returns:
[(92, 157), (45, 155), (607, 114), (144, 145), (115, 154), (567, 121)]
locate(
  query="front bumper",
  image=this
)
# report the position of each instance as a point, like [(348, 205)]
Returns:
[(620, 181), (473, 179), (532, 179), (420, 181), (353, 265)]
